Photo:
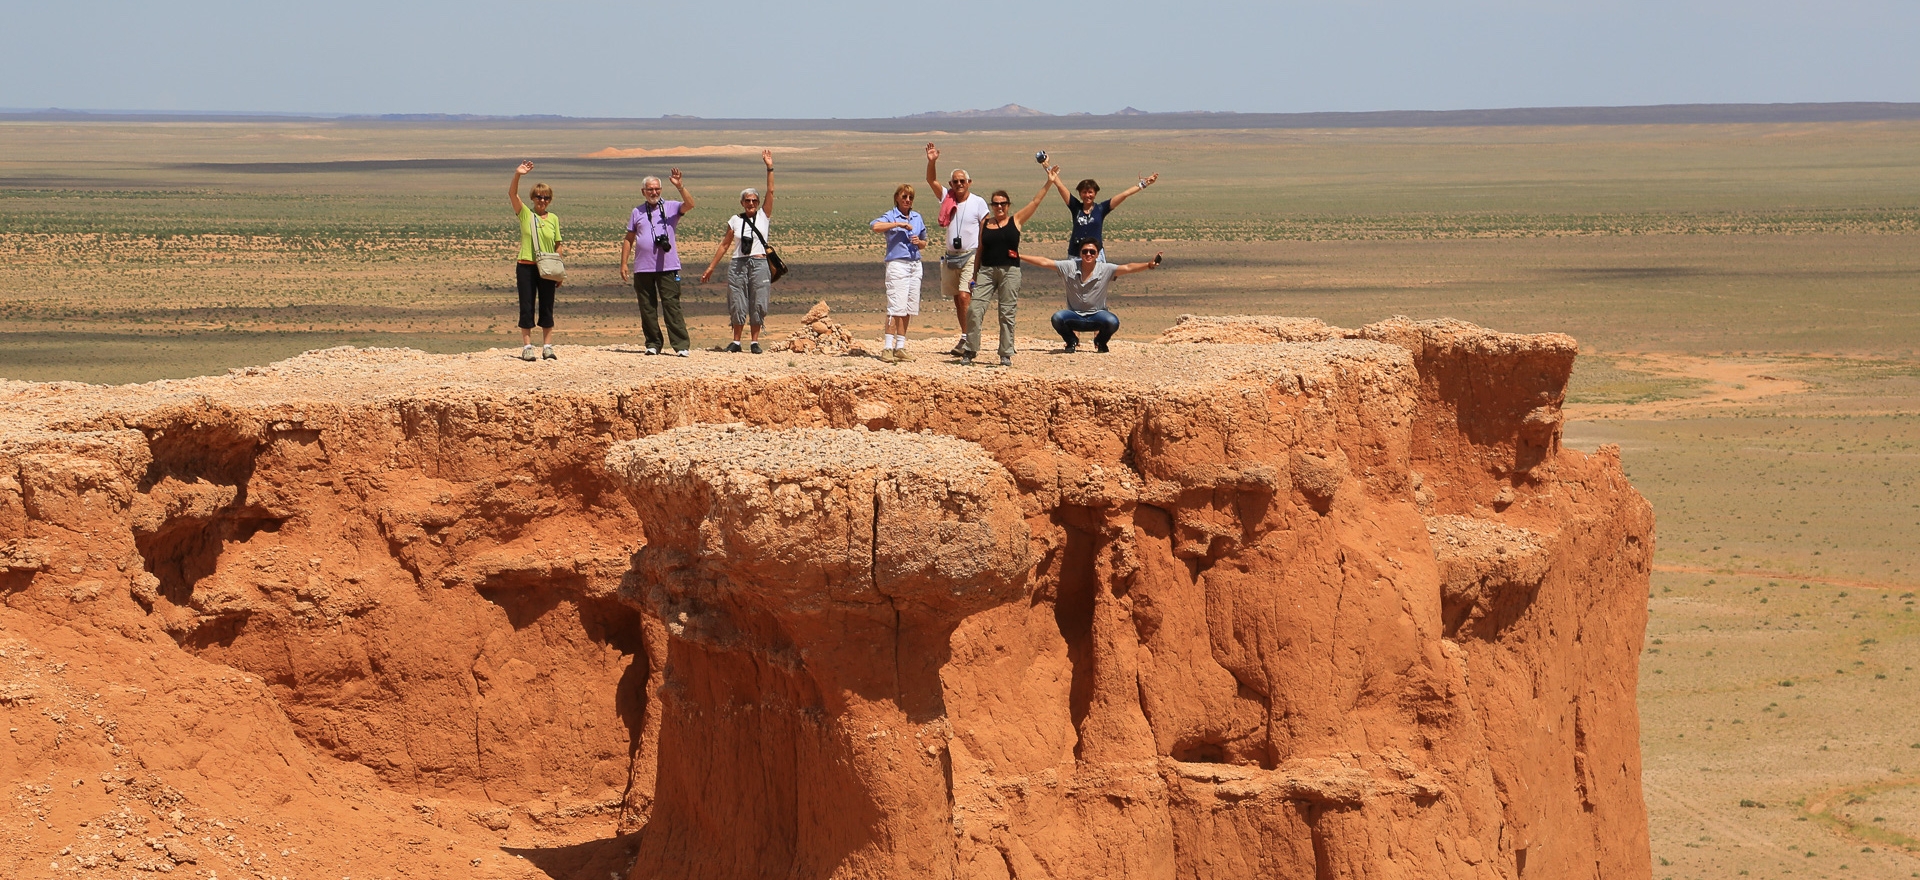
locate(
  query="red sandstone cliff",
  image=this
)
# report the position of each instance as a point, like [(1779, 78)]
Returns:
[(1339, 606)]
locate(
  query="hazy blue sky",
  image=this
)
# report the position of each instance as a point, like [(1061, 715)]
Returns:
[(859, 58)]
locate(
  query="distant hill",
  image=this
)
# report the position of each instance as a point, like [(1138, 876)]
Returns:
[(1013, 117), (1004, 111)]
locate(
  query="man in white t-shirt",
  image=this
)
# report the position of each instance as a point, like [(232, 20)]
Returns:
[(1087, 280), (961, 213)]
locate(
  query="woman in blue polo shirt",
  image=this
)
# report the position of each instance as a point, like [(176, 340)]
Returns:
[(906, 234)]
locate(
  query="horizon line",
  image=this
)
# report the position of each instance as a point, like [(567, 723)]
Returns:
[(1016, 116)]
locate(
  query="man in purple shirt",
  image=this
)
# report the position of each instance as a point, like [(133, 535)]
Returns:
[(652, 252)]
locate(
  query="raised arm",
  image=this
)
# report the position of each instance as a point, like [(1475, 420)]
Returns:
[(1131, 268), (933, 173), (766, 201), (1039, 262), (1021, 217), (686, 198), (1053, 176), (513, 188), (1145, 182), (726, 241)]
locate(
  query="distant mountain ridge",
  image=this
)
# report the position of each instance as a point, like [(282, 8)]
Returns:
[(1004, 111), (1011, 111)]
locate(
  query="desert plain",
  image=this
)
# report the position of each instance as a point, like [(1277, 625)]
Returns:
[(1744, 298)]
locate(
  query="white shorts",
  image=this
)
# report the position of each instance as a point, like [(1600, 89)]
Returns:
[(903, 288)]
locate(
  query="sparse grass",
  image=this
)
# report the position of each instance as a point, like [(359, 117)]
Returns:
[(1602, 380), (1846, 812), (1820, 496), (1733, 756), (1675, 238)]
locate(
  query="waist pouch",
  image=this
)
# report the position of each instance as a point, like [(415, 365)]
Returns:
[(956, 260)]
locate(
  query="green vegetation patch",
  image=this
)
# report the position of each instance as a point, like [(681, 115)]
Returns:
[(1598, 380), (1880, 814)]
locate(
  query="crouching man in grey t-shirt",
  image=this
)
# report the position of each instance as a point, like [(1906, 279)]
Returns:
[(1087, 280)]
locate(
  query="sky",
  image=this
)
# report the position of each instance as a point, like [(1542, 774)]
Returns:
[(864, 58)]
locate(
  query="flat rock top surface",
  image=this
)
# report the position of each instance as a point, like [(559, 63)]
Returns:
[(353, 376), (709, 452)]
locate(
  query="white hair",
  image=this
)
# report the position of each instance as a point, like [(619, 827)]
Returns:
[(645, 181), (749, 191)]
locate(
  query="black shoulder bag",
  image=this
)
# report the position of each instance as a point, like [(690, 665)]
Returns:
[(776, 267)]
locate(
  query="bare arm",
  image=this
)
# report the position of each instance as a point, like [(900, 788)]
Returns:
[(726, 241), (883, 227), (1039, 262), (513, 189), (1021, 217), (686, 199), (933, 173), (766, 201), (976, 254), (1131, 268), (626, 254), (1053, 177), (1143, 184)]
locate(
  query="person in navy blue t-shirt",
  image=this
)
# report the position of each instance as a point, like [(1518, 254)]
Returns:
[(1088, 215)]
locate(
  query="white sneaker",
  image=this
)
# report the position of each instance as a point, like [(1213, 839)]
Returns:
[(526, 354), (686, 352), (653, 351)]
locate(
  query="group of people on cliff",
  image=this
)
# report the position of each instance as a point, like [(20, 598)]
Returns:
[(979, 263)]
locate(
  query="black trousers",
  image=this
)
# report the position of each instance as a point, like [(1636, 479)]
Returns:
[(532, 288)]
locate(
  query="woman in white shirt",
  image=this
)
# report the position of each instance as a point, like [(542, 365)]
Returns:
[(749, 279)]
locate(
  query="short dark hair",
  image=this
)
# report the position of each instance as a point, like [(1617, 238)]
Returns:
[(1086, 184), (1079, 243)]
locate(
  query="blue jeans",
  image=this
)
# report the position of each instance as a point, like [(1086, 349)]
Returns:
[(1103, 323)]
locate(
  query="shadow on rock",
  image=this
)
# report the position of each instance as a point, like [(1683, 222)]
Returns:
[(610, 858)]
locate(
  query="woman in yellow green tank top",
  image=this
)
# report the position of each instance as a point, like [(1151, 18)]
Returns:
[(536, 293)]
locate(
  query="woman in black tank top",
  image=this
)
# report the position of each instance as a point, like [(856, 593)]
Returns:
[(996, 273), (1000, 247)]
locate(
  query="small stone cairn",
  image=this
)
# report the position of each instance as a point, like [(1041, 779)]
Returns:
[(822, 335)]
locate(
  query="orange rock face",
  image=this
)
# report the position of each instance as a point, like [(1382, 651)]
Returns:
[(1339, 606)]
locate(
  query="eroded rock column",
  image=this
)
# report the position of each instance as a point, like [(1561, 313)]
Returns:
[(810, 581)]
